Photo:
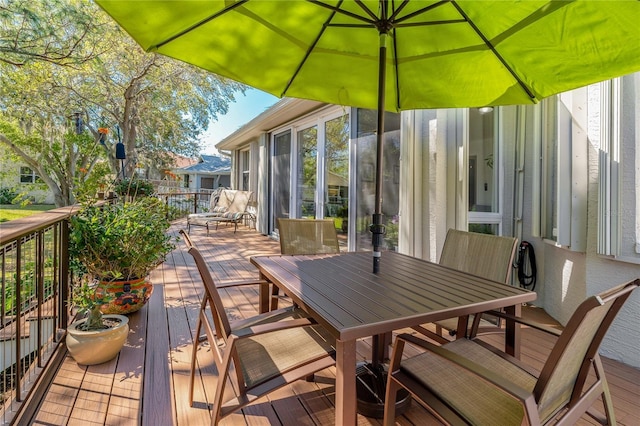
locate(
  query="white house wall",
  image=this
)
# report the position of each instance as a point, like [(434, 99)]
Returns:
[(567, 277), (622, 341), (429, 176)]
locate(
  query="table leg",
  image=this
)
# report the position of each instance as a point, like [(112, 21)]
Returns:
[(345, 382), (512, 332), (265, 295), (463, 327)]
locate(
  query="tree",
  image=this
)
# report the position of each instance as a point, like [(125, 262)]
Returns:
[(152, 104), (60, 35)]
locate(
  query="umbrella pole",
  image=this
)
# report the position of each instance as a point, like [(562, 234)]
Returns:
[(371, 377), (377, 228)]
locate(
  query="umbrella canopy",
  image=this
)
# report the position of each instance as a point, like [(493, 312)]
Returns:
[(440, 54), (395, 54)]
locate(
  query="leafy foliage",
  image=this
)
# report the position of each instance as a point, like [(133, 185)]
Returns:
[(60, 36), (88, 303), (134, 188), (120, 241), (152, 104), (7, 195)]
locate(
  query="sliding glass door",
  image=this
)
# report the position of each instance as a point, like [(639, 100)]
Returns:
[(310, 170)]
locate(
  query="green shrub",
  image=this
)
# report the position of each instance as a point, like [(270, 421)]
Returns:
[(121, 241), (7, 195), (134, 188)]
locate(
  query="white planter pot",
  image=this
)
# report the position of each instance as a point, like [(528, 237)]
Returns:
[(97, 346)]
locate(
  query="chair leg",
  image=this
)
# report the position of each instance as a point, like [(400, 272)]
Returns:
[(192, 375), (606, 394), (438, 330), (390, 407)]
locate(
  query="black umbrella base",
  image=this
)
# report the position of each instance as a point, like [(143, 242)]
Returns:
[(371, 384)]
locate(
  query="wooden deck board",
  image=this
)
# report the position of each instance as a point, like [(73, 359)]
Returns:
[(148, 383)]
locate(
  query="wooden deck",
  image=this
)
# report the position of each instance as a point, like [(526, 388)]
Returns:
[(147, 383)]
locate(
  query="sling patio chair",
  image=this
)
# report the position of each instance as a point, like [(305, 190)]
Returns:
[(484, 255), (468, 381), (260, 354), (305, 236), (308, 236), (229, 207)]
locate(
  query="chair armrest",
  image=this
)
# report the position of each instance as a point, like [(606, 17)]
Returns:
[(525, 397), (520, 320), (269, 317), (243, 333), (228, 284)]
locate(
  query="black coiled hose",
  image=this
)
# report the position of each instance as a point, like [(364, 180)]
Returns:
[(526, 265)]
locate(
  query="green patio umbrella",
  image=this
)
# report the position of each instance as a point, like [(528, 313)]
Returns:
[(395, 54)]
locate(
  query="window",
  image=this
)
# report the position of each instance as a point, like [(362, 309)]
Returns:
[(564, 180), (365, 171), (307, 172), (483, 175), (244, 169), (27, 175), (281, 189), (336, 171)]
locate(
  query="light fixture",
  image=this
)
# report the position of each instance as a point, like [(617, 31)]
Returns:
[(485, 110)]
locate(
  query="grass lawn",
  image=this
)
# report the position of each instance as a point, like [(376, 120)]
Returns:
[(10, 211)]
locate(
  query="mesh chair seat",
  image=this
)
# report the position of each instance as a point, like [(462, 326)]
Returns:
[(269, 355), (485, 404)]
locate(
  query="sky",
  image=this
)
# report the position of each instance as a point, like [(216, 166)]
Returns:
[(245, 108)]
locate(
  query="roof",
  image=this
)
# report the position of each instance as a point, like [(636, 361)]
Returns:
[(279, 113), (209, 164)]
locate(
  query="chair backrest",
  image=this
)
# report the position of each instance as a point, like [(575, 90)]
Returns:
[(232, 201), (563, 376), (484, 255), (308, 236), (211, 296)]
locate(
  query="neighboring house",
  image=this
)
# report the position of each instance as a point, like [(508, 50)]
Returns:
[(21, 179), (210, 172), (563, 175)]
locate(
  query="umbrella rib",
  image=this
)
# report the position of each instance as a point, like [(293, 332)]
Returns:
[(398, 10), (341, 11), (197, 24), (367, 10), (395, 65), (420, 11), (424, 24), (493, 49), (312, 45)]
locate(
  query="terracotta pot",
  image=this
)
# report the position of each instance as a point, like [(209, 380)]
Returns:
[(123, 297), (97, 346)]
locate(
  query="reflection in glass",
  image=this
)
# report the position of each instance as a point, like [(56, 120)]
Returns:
[(307, 169), (365, 134), (336, 193), (483, 176), (281, 175)]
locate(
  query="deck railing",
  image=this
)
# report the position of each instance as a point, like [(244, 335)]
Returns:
[(180, 204), (34, 293), (34, 262)]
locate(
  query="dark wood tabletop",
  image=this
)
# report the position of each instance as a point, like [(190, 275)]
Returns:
[(342, 293)]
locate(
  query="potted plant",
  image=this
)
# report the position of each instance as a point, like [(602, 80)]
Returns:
[(97, 338), (118, 245)]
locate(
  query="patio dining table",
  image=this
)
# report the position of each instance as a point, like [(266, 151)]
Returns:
[(342, 293)]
